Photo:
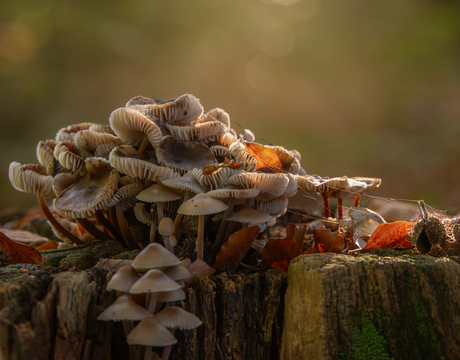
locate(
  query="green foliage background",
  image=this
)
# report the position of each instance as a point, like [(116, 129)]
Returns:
[(360, 88)]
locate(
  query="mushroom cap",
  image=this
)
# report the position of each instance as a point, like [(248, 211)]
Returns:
[(125, 160), (240, 155), (123, 279), (149, 332), (291, 188), (31, 178), (105, 129), (139, 100), (187, 183), (287, 157), (157, 193), (131, 126), (233, 193), (183, 156), (214, 180), (68, 155), (270, 185), (321, 184), (170, 296), (217, 114), (154, 281), (126, 192), (175, 317), (210, 131), (166, 227), (45, 155), (275, 207), (202, 204), (68, 133), (220, 152), (88, 141), (177, 272), (154, 256), (143, 214), (92, 192), (250, 216), (124, 308)]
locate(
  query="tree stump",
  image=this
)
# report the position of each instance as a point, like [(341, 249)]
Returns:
[(372, 307)]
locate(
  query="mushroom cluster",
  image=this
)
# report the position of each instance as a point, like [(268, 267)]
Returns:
[(156, 278), (157, 160)]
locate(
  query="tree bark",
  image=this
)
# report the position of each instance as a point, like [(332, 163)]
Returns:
[(371, 306)]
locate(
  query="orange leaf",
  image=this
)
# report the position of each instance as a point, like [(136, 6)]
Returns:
[(392, 234), (49, 245), (279, 252), (267, 160), (234, 250), (18, 253), (326, 241)]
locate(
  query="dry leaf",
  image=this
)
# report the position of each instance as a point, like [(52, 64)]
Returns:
[(267, 160), (198, 268), (24, 237), (326, 241), (279, 252), (235, 249), (393, 234), (18, 253), (49, 245)]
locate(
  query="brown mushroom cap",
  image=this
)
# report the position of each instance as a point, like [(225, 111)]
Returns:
[(210, 131), (123, 158), (174, 317), (275, 207), (68, 133), (250, 216), (92, 192), (149, 332), (45, 155), (153, 281), (143, 214), (131, 126), (154, 256), (124, 308), (214, 180), (202, 204), (182, 156), (88, 141), (177, 272), (217, 114), (68, 155), (31, 178), (233, 193), (166, 227), (170, 296), (270, 185), (158, 193), (123, 279)]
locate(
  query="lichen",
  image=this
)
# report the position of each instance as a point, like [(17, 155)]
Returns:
[(367, 343)]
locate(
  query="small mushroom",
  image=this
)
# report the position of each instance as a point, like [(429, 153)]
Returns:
[(166, 229)]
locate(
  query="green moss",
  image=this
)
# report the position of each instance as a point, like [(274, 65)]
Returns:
[(367, 343), (425, 327)]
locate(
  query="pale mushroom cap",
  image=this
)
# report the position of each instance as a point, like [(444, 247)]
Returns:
[(143, 214), (275, 207), (123, 279), (88, 141), (154, 256), (184, 183), (214, 180), (209, 131), (68, 155), (45, 155), (68, 133), (250, 216), (183, 156), (149, 332), (177, 272), (170, 296), (233, 193), (131, 126), (166, 227), (31, 178), (272, 185), (154, 281), (122, 159), (126, 192), (158, 193), (124, 308), (202, 204), (174, 317), (91, 193)]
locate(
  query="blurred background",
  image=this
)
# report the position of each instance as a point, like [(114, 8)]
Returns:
[(360, 88)]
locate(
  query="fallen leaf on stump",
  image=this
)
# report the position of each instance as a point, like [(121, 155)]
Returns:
[(234, 250), (390, 235), (14, 253), (278, 253), (199, 268)]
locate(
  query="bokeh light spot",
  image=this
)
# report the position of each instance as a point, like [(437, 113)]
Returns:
[(277, 40)]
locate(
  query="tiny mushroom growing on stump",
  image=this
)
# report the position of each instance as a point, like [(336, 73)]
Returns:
[(201, 205), (158, 193), (166, 229), (154, 256)]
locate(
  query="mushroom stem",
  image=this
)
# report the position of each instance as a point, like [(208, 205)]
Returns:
[(200, 238), (151, 302), (357, 196), (327, 210), (153, 232), (98, 234), (122, 225), (55, 223), (179, 217), (339, 206), (223, 226), (143, 145), (108, 225), (128, 327), (160, 211), (167, 349)]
